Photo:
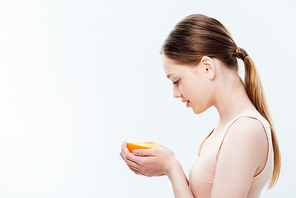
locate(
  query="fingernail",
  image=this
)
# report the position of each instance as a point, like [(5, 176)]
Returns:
[(135, 151)]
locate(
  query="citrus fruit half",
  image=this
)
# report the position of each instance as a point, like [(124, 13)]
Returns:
[(140, 145)]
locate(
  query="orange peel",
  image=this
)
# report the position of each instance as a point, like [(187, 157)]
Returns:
[(140, 145)]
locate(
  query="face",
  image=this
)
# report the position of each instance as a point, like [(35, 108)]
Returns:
[(190, 83)]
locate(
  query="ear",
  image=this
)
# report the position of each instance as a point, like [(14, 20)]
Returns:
[(209, 67)]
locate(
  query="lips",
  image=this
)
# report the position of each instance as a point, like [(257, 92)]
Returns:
[(187, 102)]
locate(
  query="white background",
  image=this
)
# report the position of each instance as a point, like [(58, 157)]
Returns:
[(79, 77)]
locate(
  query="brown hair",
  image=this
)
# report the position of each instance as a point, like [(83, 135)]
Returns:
[(197, 36)]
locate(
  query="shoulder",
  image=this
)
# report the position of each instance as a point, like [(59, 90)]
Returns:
[(242, 155), (247, 129), (245, 138)]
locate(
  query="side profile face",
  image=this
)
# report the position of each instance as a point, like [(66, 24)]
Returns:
[(191, 83)]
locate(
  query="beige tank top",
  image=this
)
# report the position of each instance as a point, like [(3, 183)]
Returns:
[(203, 166)]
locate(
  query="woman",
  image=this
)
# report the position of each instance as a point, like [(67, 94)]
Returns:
[(241, 154)]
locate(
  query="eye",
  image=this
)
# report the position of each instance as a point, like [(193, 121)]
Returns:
[(176, 82)]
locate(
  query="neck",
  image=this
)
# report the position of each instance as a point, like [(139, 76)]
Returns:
[(231, 100)]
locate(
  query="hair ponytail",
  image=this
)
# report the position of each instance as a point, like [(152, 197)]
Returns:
[(197, 36), (256, 94)]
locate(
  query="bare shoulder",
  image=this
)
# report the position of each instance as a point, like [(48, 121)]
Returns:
[(247, 129), (247, 136), (242, 155)]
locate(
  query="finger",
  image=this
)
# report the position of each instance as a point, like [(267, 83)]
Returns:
[(122, 156), (144, 152), (132, 160), (128, 156), (136, 171), (151, 142), (124, 152), (123, 145), (135, 168)]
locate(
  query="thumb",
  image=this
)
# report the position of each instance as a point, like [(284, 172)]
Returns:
[(151, 142), (143, 152)]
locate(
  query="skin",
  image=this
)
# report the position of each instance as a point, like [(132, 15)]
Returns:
[(244, 150)]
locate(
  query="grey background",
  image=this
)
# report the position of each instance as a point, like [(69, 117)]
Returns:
[(79, 77)]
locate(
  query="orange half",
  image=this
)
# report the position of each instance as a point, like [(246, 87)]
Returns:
[(140, 145)]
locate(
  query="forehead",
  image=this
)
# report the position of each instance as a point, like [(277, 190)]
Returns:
[(170, 67)]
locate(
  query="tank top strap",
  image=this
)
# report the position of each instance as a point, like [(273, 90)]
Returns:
[(248, 113)]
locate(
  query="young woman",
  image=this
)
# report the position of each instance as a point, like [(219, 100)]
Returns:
[(241, 154)]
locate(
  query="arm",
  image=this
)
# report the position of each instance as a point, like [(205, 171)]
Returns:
[(158, 162), (242, 155), (179, 182)]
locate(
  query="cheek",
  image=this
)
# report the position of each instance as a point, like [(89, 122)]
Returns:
[(186, 90), (190, 92)]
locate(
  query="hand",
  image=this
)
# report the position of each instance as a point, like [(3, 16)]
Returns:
[(149, 162)]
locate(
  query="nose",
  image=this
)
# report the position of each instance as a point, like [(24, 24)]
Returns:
[(176, 92)]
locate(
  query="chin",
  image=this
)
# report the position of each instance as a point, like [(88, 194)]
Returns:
[(198, 111)]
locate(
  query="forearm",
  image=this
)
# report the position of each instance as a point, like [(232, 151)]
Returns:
[(179, 182)]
